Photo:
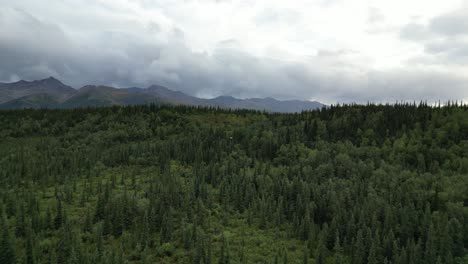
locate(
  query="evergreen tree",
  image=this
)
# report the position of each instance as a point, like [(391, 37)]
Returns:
[(224, 253), (7, 246), (166, 227), (338, 250), (30, 254), (320, 252), (58, 220), (306, 255), (65, 243), (359, 251), (372, 258), (430, 249)]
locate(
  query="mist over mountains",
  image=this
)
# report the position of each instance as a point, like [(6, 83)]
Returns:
[(52, 93)]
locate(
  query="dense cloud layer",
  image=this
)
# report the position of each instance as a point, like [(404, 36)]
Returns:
[(444, 38), (109, 44)]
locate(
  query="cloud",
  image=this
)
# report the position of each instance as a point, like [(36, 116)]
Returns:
[(129, 47), (415, 32), (450, 24), (273, 17), (444, 39), (375, 16)]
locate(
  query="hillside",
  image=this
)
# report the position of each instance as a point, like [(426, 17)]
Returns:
[(49, 86), (98, 96), (51, 93), (160, 184), (40, 100)]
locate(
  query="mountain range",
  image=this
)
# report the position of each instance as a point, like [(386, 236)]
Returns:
[(52, 93)]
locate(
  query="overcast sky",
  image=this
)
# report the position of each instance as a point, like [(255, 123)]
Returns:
[(326, 50)]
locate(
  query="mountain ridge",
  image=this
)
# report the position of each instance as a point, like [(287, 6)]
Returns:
[(22, 88), (52, 93)]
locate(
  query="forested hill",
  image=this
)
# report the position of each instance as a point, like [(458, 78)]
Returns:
[(157, 184)]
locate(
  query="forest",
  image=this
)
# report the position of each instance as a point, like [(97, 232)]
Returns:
[(346, 184)]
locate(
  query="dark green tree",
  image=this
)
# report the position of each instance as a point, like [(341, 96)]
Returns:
[(7, 246)]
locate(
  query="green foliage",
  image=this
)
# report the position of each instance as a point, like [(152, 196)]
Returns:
[(7, 247), (159, 184), (166, 249)]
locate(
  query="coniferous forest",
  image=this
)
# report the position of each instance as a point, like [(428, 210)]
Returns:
[(159, 184)]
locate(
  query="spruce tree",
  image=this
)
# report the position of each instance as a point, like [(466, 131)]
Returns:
[(359, 250), (320, 252), (224, 257), (305, 254), (58, 217), (7, 246)]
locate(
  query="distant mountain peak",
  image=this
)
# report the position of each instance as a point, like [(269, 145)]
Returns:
[(50, 81), (51, 78), (158, 87), (166, 92), (29, 92), (51, 92), (226, 97)]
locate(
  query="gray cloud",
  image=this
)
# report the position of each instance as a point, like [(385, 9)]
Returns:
[(415, 32), (444, 38), (33, 48), (454, 23), (447, 26)]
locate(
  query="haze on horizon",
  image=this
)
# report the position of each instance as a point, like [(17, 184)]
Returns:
[(325, 50)]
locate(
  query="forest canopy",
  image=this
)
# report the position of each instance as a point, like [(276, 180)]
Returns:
[(351, 184)]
